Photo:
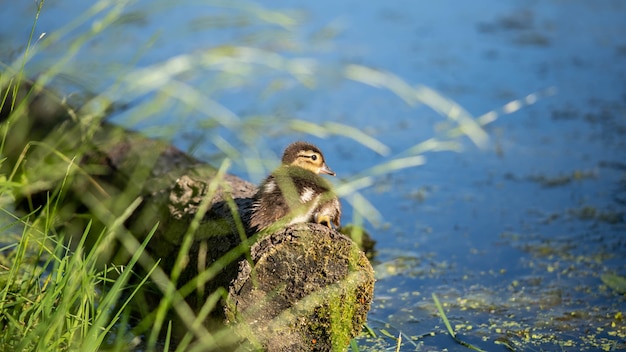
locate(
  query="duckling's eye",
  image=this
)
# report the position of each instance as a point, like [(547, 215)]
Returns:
[(313, 157)]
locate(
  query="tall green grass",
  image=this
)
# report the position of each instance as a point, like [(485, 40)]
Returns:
[(54, 298)]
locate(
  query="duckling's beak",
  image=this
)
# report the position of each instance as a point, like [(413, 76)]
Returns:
[(326, 170)]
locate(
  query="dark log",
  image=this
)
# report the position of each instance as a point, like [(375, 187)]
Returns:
[(305, 287)]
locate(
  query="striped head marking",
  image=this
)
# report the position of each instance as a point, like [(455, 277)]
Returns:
[(306, 156)]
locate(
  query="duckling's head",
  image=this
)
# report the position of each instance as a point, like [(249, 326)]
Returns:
[(306, 156)]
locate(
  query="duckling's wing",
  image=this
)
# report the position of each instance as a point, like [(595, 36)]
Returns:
[(291, 192), (269, 205)]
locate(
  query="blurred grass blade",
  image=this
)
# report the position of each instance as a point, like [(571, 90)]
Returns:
[(396, 164), (338, 129), (508, 108), (420, 94), (368, 178), (370, 331), (453, 111), (434, 145), (309, 127), (354, 347), (379, 79), (359, 136), (387, 333)]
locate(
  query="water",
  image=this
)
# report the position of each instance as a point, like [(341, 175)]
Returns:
[(513, 237)]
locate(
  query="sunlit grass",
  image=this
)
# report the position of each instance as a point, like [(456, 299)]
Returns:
[(54, 299)]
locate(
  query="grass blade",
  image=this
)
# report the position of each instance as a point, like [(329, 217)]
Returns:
[(449, 327)]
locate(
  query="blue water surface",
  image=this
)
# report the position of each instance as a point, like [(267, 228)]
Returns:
[(513, 236)]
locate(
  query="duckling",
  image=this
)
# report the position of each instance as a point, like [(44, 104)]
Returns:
[(295, 192)]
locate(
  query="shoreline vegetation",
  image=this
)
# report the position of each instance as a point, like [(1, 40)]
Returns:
[(155, 211)]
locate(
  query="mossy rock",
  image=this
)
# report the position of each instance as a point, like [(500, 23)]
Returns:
[(309, 288)]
